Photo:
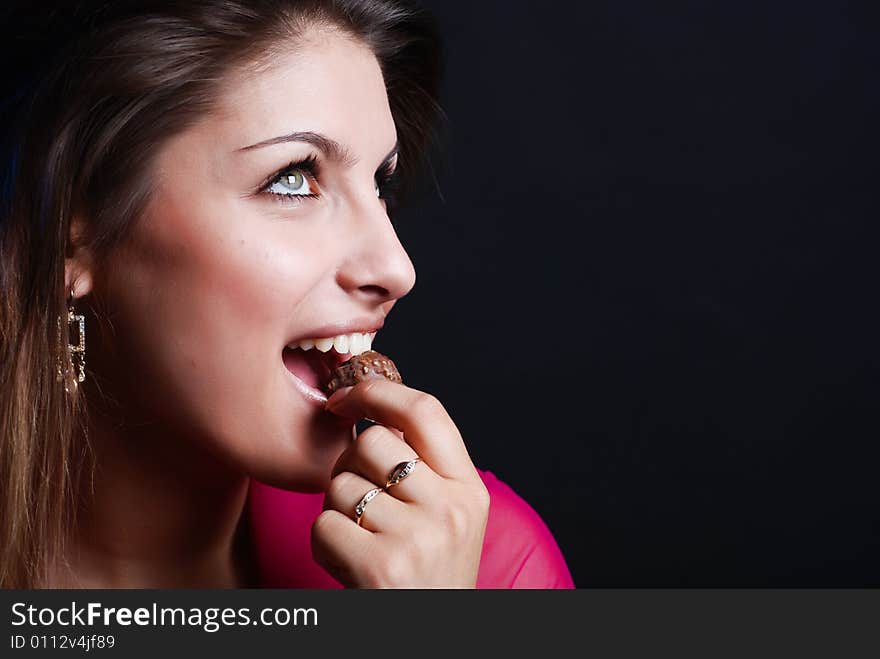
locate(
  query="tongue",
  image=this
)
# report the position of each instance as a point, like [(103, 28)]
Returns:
[(308, 365)]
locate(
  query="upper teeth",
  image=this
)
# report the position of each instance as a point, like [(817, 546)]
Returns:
[(354, 343)]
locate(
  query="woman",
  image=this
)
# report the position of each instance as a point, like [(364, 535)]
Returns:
[(203, 188)]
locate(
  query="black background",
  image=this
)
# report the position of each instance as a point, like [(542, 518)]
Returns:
[(647, 285)]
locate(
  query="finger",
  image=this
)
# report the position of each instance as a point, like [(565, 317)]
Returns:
[(382, 512), (339, 546), (425, 423), (396, 432), (376, 453)]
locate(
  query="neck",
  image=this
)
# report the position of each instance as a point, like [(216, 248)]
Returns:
[(160, 512)]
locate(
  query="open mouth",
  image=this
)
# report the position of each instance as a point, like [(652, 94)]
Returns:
[(312, 361), (313, 367)]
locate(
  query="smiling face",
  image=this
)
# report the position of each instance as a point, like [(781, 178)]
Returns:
[(232, 262)]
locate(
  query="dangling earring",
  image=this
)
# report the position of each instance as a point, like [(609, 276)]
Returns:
[(78, 350)]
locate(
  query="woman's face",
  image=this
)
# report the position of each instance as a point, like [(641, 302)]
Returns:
[(220, 275)]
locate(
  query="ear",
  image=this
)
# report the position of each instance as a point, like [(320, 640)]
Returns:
[(78, 261)]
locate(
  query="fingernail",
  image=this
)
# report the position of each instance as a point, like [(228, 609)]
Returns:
[(337, 396)]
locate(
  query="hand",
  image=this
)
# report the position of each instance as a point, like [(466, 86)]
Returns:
[(426, 531)]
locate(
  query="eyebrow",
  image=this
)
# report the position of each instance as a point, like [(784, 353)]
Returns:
[(332, 149)]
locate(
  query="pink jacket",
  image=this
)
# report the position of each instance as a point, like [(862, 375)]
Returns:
[(518, 550)]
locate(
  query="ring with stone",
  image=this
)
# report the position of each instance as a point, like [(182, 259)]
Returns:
[(401, 471), (359, 509)]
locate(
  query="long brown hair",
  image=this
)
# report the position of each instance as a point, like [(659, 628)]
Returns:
[(100, 87)]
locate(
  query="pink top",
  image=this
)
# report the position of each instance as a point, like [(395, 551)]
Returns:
[(518, 549)]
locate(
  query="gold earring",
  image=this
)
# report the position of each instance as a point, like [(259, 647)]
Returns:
[(78, 350)]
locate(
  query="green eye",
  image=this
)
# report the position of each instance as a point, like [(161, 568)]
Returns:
[(297, 181), (292, 183)]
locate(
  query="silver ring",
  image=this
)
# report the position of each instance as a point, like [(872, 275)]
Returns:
[(401, 471), (359, 509)]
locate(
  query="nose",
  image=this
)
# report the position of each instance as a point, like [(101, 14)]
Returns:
[(376, 268)]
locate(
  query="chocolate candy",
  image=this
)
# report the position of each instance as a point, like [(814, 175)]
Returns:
[(369, 365)]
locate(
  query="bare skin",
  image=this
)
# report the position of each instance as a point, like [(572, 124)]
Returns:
[(190, 398)]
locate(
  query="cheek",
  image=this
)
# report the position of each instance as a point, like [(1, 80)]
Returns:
[(217, 284), (201, 309)]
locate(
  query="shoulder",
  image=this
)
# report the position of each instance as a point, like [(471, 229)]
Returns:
[(519, 551)]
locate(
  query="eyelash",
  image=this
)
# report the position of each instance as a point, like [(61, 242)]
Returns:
[(388, 180)]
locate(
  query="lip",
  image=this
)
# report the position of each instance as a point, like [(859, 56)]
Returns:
[(314, 394), (311, 394), (362, 325)]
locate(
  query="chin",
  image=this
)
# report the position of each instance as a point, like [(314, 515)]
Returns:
[(307, 467)]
